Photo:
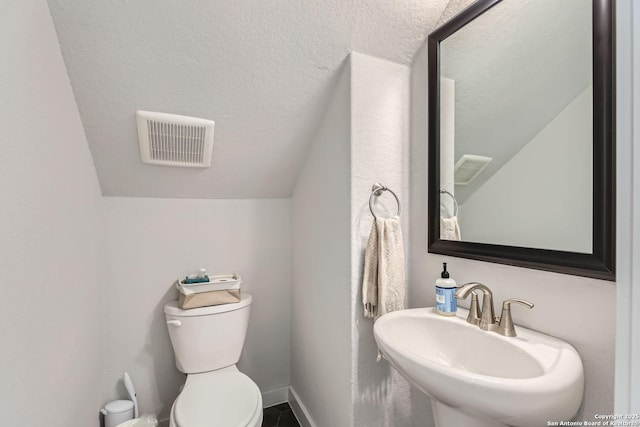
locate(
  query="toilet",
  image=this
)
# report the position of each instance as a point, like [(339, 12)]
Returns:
[(207, 343)]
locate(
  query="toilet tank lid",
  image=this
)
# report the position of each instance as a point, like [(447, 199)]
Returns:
[(173, 309)]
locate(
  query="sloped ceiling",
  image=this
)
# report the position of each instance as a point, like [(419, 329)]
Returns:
[(262, 70)]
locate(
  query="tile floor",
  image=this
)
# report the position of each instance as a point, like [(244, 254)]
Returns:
[(279, 416)]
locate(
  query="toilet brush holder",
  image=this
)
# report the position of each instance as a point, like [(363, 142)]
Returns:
[(117, 412)]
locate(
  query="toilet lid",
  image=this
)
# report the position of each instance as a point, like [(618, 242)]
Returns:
[(228, 399)]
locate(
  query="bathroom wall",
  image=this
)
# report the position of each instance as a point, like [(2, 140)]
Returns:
[(321, 271), (363, 138), (152, 242), (379, 153), (535, 188), (627, 387), (51, 257), (578, 310)]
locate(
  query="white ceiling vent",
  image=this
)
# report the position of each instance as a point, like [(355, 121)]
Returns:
[(172, 140), (469, 167)]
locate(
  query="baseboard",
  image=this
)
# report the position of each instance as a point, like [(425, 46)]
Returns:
[(299, 410), (275, 397)]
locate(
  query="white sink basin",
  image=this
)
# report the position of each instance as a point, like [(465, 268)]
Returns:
[(479, 378)]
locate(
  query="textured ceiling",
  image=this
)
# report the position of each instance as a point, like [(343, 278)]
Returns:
[(262, 70)]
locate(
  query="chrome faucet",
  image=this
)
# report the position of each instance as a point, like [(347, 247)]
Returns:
[(487, 316), (486, 319)]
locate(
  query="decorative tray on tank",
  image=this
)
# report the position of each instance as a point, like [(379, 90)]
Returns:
[(220, 289)]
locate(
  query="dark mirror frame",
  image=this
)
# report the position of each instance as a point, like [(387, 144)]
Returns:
[(601, 263)]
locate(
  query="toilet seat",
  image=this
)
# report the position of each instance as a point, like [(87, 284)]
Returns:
[(225, 399)]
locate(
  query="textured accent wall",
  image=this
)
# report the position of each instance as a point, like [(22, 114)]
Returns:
[(51, 249), (363, 138), (379, 153)]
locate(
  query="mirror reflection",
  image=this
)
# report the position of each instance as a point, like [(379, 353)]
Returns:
[(516, 127)]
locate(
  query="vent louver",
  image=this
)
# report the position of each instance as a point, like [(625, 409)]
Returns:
[(469, 167), (172, 140)]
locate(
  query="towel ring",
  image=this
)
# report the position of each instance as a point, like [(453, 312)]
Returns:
[(377, 190), (455, 202)]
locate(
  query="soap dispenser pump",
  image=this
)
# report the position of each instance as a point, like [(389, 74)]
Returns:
[(446, 303)]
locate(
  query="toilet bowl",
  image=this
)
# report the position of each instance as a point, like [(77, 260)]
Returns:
[(207, 343), (227, 396)]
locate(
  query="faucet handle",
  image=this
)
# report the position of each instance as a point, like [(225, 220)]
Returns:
[(506, 326), (474, 310)]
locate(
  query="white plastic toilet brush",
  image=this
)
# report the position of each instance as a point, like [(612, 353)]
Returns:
[(132, 393)]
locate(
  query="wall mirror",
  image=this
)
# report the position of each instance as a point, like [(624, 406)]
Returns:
[(521, 135)]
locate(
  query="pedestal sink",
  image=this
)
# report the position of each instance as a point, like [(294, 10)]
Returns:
[(481, 379)]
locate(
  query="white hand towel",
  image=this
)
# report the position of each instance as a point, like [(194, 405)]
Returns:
[(383, 285), (449, 228)]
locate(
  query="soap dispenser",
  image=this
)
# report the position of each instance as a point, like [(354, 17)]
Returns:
[(446, 303)]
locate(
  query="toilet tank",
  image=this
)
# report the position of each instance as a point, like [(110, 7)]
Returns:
[(208, 338)]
